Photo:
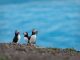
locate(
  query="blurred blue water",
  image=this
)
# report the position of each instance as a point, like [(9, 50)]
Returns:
[(58, 21)]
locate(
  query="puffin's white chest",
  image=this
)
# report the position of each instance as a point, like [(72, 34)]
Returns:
[(25, 38), (33, 38), (19, 37)]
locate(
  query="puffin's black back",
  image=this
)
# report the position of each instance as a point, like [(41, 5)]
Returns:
[(15, 39)]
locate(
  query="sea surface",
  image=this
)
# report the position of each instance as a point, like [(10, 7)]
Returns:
[(57, 21)]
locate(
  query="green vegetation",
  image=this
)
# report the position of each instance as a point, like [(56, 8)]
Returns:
[(3, 57)]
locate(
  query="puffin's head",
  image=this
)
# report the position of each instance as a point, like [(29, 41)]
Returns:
[(25, 33), (34, 31), (18, 32)]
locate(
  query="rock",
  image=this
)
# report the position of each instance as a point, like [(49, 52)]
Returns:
[(24, 52)]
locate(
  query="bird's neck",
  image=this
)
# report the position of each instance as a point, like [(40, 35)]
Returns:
[(33, 33), (26, 36)]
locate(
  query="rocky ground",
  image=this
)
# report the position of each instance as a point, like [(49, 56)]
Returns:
[(24, 52)]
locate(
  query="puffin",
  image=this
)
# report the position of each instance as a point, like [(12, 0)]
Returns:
[(27, 37), (33, 37), (16, 37)]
